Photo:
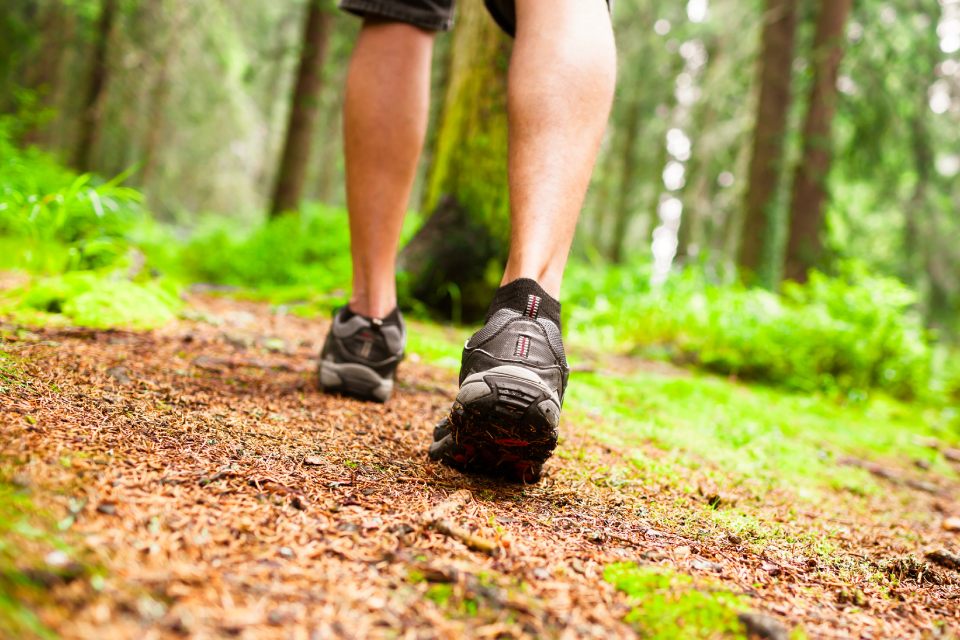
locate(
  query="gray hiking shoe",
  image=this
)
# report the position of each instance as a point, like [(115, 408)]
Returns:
[(512, 379), (360, 355)]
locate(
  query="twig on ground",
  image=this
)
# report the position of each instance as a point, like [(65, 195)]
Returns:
[(435, 519)]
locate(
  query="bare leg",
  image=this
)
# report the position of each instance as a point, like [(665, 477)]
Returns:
[(385, 120), (562, 76)]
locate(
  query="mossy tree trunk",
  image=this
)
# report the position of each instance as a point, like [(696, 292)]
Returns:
[(455, 260)]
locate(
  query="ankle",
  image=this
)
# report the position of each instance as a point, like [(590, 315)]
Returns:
[(548, 277), (371, 307)]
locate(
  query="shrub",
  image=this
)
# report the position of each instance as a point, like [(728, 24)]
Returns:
[(312, 248), (848, 333), (54, 220)]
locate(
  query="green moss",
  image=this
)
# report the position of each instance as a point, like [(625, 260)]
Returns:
[(439, 594), (766, 437), (471, 151), (667, 605), (25, 538), (94, 299)]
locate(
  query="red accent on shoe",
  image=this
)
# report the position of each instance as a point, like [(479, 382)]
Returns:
[(522, 349), (533, 306), (511, 442)]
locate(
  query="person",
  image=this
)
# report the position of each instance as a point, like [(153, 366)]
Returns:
[(560, 87)]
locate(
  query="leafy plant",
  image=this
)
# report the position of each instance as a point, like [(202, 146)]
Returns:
[(847, 334), (54, 220)]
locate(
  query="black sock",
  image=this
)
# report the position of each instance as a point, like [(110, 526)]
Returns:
[(527, 297), (392, 318)]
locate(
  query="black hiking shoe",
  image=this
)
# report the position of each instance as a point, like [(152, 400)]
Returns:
[(512, 379), (360, 355)]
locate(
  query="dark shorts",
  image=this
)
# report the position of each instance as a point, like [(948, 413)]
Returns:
[(434, 15)]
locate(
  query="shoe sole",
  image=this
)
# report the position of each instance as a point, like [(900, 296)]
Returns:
[(503, 424), (353, 379)]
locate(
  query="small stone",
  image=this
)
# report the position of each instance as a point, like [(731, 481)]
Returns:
[(285, 552), (765, 627), (682, 552), (705, 565), (734, 538), (597, 536), (541, 574), (313, 461), (238, 341), (275, 345), (119, 374), (57, 559), (280, 617), (952, 525), (208, 363), (107, 508), (945, 559)]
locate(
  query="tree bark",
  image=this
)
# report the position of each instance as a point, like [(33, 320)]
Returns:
[(773, 106), (805, 241), (43, 74), (295, 160), (628, 178), (160, 91), (91, 121), (450, 262)]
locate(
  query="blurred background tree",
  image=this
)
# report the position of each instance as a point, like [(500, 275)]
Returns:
[(770, 135)]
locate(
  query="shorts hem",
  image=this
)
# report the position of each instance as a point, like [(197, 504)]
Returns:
[(368, 8)]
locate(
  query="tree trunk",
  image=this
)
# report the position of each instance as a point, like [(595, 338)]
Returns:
[(91, 121), (926, 246), (628, 178), (805, 241), (43, 74), (766, 160), (453, 262), (303, 112), (160, 91)]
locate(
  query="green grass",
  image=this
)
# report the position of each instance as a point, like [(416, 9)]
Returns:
[(24, 535), (669, 606), (769, 437), (31, 549)]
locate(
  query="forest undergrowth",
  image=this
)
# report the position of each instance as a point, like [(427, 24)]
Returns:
[(192, 480)]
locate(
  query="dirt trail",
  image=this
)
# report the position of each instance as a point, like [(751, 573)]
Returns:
[(224, 496)]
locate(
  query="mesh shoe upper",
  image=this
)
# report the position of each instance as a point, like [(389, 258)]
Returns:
[(373, 343), (511, 337)]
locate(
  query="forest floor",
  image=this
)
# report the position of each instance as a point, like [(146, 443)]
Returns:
[(192, 481)]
